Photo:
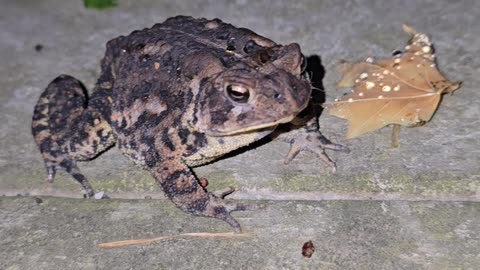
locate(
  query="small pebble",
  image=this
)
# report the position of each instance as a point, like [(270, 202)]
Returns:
[(203, 182), (308, 249), (38, 47), (99, 195)]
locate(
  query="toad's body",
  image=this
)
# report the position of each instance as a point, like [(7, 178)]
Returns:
[(179, 94)]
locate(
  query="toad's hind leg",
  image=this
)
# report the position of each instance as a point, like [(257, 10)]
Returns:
[(66, 130), (182, 187)]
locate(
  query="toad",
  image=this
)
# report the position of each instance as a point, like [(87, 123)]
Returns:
[(180, 94)]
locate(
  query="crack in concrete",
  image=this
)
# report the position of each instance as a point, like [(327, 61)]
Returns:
[(276, 196)]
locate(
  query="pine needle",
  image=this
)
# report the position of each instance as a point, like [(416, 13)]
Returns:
[(170, 237)]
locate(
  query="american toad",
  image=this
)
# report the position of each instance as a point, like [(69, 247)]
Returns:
[(176, 95)]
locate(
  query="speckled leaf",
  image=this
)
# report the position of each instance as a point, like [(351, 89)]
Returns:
[(404, 89)]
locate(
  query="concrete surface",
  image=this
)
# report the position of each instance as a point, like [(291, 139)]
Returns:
[(64, 233), (415, 207)]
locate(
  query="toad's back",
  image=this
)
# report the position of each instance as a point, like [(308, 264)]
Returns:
[(168, 43), (192, 34), (162, 61)]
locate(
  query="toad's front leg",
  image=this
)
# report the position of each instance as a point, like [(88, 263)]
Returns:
[(313, 141), (306, 136), (182, 187)]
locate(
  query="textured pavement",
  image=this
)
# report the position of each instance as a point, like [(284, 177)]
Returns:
[(414, 207), (64, 233)]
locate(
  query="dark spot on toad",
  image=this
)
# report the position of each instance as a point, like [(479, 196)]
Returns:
[(144, 57), (231, 44), (251, 46), (223, 35)]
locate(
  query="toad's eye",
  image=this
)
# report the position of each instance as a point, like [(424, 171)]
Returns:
[(237, 93)]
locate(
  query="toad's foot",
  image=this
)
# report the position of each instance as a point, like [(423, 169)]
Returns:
[(219, 208), (181, 186), (311, 141)]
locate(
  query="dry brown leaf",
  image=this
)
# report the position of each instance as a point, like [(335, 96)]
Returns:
[(402, 90)]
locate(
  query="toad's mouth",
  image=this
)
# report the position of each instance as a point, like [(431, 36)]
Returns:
[(216, 133), (255, 126)]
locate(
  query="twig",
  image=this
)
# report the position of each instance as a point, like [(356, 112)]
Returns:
[(396, 136), (169, 237)]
